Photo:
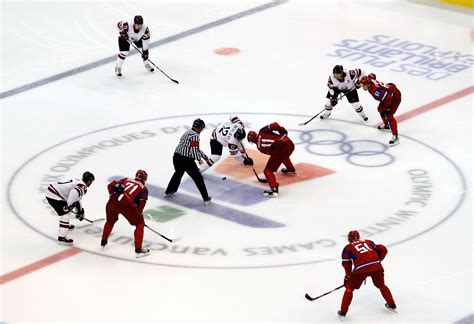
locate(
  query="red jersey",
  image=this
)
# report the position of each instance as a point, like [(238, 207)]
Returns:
[(365, 254), (135, 192), (269, 136), (383, 92)]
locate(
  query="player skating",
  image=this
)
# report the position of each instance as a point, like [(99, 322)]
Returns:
[(390, 98), (135, 32), (228, 135), (367, 258), (346, 82), (127, 197), (64, 197), (273, 140)]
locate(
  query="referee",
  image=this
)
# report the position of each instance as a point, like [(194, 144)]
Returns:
[(183, 160)]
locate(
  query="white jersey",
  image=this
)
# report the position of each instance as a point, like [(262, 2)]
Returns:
[(224, 134), (351, 79), (133, 35), (70, 191)]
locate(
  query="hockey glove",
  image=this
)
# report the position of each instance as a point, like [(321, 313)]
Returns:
[(248, 161), (124, 36), (145, 55), (333, 101), (80, 215), (372, 76)]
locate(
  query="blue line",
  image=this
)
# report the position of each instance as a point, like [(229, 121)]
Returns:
[(158, 43)]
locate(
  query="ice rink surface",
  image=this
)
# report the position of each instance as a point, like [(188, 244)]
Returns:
[(244, 257)]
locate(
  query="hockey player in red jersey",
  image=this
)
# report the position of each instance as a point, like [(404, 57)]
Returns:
[(127, 197), (135, 32), (390, 98), (367, 259), (273, 140)]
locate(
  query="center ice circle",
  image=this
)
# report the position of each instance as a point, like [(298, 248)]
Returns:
[(316, 214)]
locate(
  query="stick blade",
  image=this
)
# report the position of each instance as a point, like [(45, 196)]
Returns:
[(301, 124), (175, 81), (308, 297), (176, 240)]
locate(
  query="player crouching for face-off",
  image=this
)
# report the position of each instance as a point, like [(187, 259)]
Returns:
[(273, 140), (229, 135), (139, 34), (346, 82), (64, 197), (127, 197), (390, 98), (367, 258)]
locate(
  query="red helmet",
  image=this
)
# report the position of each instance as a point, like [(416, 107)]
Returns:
[(365, 80), (353, 235), (141, 175), (252, 137)]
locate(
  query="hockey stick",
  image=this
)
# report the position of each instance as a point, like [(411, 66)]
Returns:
[(89, 220), (319, 113), (308, 297), (168, 239), (253, 169), (175, 81), (94, 220)]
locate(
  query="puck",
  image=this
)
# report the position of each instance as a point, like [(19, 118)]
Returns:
[(224, 178)]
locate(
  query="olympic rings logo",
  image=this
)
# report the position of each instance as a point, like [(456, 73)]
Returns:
[(329, 142)]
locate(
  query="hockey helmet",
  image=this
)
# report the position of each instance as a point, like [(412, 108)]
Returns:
[(353, 236), (141, 175), (88, 177), (252, 137), (199, 124), (138, 20), (338, 69), (239, 134), (365, 80)]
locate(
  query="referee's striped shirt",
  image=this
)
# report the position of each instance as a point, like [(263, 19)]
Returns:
[(189, 145)]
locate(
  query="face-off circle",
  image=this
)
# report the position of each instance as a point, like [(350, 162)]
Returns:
[(347, 178)]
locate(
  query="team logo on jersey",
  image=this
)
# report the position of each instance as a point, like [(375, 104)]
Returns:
[(347, 178)]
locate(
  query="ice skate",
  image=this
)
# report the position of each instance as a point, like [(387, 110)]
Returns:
[(288, 171), (394, 141), (325, 115), (384, 128), (140, 253), (272, 193), (118, 71), (341, 315), (65, 241), (392, 308)]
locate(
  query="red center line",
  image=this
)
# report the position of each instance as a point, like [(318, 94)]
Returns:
[(434, 104), (15, 274), (73, 251)]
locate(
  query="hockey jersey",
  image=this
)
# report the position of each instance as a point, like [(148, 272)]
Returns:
[(364, 254), (350, 81), (133, 35), (70, 191), (269, 135), (385, 93), (224, 134), (135, 193)]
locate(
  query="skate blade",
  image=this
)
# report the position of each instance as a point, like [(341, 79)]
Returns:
[(270, 196), (141, 255), (176, 240), (65, 243), (341, 318)]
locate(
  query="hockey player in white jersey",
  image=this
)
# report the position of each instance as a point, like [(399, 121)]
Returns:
[(229, 135), (66, 196), (346, 82), (139, 34)]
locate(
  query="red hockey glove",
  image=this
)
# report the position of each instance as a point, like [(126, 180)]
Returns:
[(333, 101), (80, 215), (145, 55), (372, 76)]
